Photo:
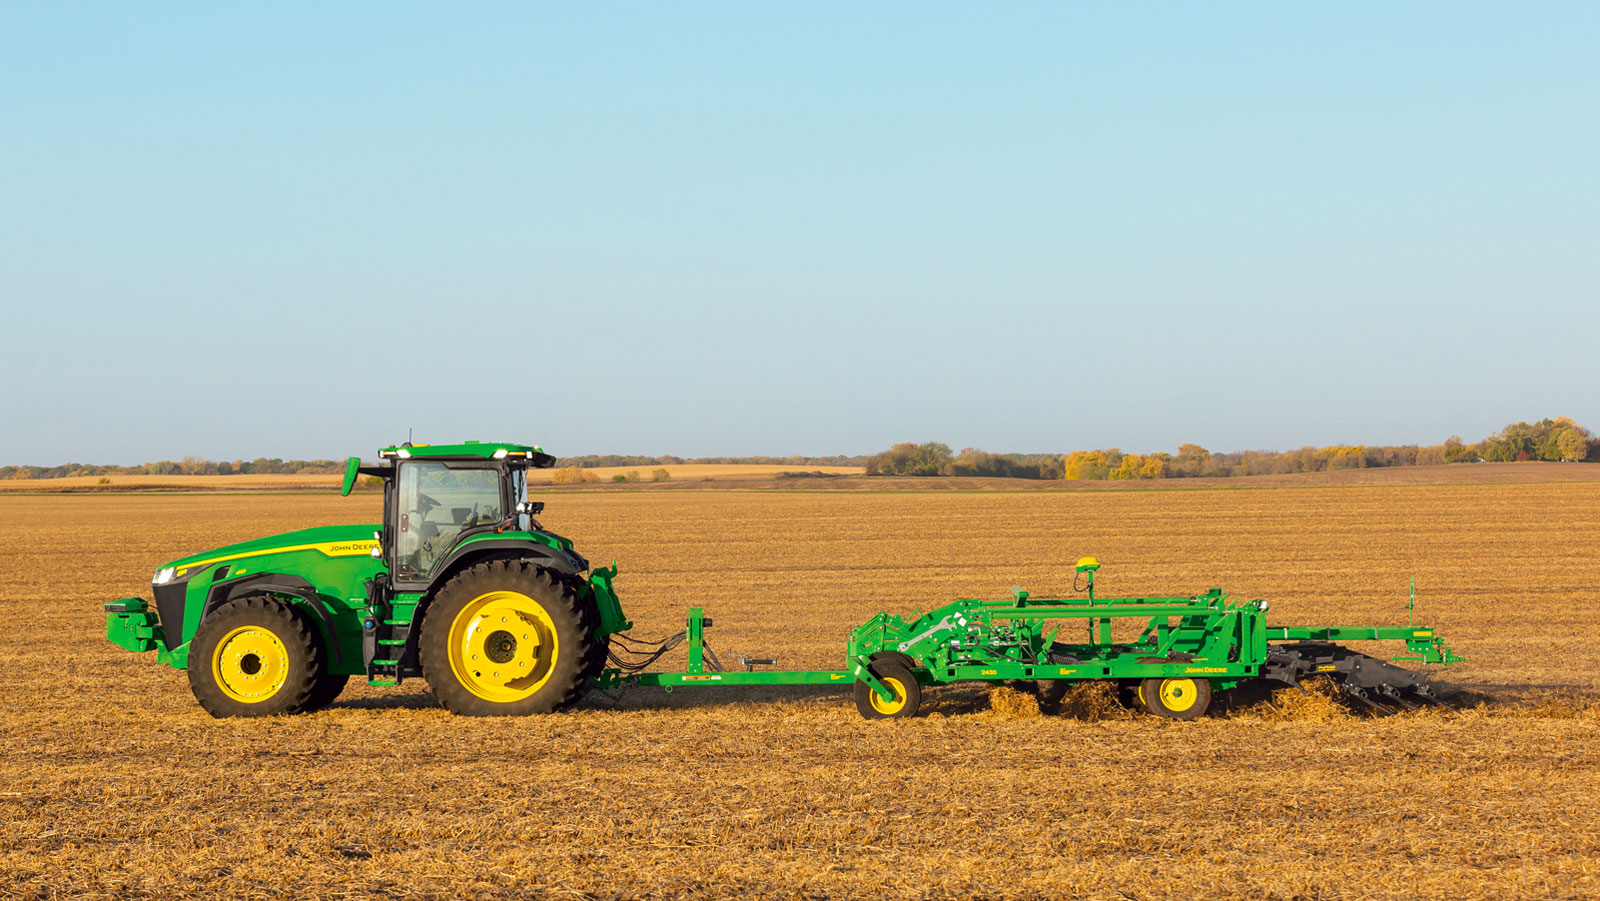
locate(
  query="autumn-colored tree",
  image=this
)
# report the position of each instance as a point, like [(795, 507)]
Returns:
[(1089, 464), (1571, 444)]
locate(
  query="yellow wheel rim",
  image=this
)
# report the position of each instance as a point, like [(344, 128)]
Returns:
[(503, 646), (888, 708), (250, 664), (1178, 695)]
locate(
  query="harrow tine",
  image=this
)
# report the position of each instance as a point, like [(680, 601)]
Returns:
[(1361, 695), (1393, 695), (1422, 695)]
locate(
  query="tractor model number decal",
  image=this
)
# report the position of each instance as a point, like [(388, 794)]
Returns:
[(1065, 671), (990, 672)]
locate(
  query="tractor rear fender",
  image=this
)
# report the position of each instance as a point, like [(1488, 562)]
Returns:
[(285, 584), (484, 551), (475, 552)]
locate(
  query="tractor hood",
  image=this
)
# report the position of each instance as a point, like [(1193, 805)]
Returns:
[(334, 541)]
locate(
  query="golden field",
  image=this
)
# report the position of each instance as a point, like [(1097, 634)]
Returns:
[(113, 782)]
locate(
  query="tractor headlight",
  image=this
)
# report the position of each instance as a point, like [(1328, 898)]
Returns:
[(163, 575)]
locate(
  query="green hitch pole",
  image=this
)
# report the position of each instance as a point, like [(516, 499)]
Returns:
[(696, 640)]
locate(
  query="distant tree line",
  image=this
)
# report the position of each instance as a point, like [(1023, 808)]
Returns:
[(188, 466), (1548, 439)]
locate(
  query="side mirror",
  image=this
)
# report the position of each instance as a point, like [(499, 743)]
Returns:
[(531, 508), (351, 467)]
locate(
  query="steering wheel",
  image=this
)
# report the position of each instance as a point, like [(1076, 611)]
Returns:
[(425, 503)]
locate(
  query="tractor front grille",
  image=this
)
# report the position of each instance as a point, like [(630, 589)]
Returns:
[(169, 607)]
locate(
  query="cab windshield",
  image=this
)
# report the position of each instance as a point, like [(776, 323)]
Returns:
[(436, 503)]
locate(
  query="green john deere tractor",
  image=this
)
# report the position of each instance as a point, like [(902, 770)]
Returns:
[(458, 585)]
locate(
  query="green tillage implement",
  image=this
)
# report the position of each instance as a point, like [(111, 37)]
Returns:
[(1188, 648)]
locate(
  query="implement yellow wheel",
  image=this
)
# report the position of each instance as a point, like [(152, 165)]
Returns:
[(250, 664), (503, 646), (1177, 695), (907, 693), (1179, 699), (889, 708)]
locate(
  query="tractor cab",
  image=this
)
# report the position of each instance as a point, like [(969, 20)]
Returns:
[(437, 496)]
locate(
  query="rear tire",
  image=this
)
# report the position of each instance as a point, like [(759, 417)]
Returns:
[(506, 638), (254, 656), (1178, 699), (907, 693)]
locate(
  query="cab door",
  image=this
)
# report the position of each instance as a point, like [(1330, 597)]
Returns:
[(434, 503)]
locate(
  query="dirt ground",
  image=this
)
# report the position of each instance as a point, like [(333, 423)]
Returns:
[(113, 783)]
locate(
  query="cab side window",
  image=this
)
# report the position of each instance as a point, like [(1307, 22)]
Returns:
[(436, 502)]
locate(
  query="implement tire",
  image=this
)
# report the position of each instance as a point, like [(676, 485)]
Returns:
[(254, 656), (506, 638), (1177, 698), (907, 693)]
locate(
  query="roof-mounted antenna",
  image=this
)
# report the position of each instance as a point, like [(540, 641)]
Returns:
[(408, 436)]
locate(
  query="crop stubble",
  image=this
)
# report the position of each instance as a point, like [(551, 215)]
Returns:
[(113, 781)]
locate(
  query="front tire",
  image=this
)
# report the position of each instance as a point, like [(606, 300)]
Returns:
[(254, 656), (506, 638)]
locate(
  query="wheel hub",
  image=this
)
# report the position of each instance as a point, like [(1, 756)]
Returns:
[(500, 646)]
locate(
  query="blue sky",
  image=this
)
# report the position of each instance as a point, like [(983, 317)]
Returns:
[(298, 230)]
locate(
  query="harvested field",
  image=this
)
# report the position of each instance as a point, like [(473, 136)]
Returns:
[(115, 783)]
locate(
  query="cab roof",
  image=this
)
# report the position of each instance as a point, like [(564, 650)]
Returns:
[(468, 450)]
